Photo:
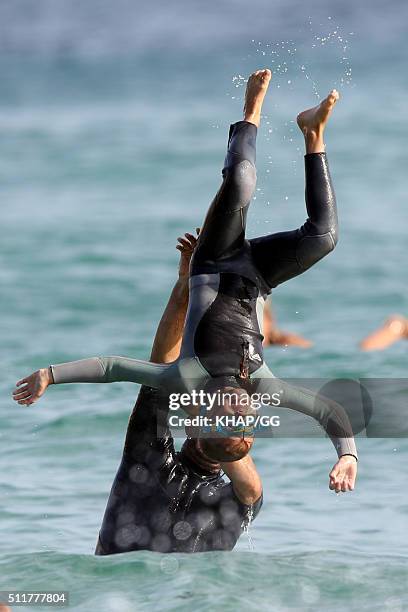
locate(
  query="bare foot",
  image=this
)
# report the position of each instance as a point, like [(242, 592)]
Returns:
[(313, 121), (256, 89)]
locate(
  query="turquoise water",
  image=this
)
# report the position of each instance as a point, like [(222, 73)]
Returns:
[(113, 125)]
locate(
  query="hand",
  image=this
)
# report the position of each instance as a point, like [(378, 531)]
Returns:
[(343, 475), (186, 247), (29, 390)]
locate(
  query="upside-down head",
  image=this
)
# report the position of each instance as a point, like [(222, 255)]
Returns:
[(228, 438)]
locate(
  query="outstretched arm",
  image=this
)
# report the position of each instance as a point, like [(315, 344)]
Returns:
[(93, 370), (114, 369), (330, 415)]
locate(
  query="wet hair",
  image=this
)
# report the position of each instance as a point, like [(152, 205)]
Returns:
[(226, 446), (192, 451), (226, 449)]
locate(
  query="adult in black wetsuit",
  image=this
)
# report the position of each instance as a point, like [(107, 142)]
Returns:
[(229, 279), (167, 501)]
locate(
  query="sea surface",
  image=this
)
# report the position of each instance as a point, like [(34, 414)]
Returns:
[(113, 125)]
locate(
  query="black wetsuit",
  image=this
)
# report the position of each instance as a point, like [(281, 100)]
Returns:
[(244, 271), (161, 500)]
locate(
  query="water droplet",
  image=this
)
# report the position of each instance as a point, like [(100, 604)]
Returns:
[(246, 524)]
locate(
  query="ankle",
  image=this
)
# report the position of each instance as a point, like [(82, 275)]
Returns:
[(314, 140), (254, 118)]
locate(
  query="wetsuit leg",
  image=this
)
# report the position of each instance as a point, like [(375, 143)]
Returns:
[(284, 255), (223, 231)]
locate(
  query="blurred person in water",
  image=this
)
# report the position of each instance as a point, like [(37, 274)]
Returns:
[(395, 328), (275, 336)]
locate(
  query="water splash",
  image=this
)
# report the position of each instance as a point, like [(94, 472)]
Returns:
[(283, 57), (246, 524), (296, 64)]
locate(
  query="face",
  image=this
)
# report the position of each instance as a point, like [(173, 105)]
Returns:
[(236, 401)]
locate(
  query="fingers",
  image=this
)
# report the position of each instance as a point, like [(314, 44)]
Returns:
[(333, 482), (25, 399), (188, 242), (23, 395), (352, 482), (26, 402), (17, 391), (191, 238), (185, 243), (341, 482)]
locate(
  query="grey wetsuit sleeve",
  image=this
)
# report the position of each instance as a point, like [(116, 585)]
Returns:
[(329, 414), (110, 369)]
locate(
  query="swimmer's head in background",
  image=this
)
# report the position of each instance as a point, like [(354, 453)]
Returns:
[(228, 437)]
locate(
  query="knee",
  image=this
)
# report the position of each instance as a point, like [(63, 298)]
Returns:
[(334, 233), (241, 177), (313, 248)]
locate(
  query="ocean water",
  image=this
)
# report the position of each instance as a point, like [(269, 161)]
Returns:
[(113, 125)]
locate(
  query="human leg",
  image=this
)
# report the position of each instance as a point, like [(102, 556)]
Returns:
[(284, 255), (223, 231)]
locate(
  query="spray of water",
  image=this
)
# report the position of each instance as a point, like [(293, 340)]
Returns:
[(288, 62), (246, 524)]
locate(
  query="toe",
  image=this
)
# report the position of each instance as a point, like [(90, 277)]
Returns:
[(333, 95)]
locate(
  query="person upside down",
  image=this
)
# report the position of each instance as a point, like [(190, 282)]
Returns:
[(174, 502), (230, 277)]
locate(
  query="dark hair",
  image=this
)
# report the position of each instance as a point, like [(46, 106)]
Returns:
[(226, 448)]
